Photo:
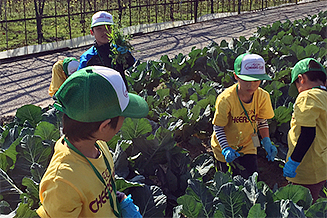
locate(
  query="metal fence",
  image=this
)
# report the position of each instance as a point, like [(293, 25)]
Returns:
[(30, 22)]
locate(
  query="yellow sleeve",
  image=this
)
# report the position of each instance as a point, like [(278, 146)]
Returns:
[(222, 113), (266, 110), (59, 199), (306, 111), (58, 77)]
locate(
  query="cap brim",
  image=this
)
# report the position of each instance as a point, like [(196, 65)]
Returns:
[(101, 23), (59, 107), (292, 90), (136, 108), (254, 77)]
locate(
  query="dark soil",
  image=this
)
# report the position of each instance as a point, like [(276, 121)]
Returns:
[(5, 119), (269, 172)]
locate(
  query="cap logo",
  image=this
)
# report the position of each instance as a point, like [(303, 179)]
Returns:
[(103, 15), (254, 66), (125, 93)]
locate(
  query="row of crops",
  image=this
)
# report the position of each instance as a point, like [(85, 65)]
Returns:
[(150, 162)]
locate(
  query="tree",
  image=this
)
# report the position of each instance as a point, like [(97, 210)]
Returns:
[(39, 6)]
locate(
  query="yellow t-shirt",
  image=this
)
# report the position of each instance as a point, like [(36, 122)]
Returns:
[(230, 114), (58, 77), (310, 110), (70, 187)]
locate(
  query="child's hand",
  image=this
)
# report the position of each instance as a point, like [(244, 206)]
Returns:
[(271, 149), (129, 209), (290, 167), (230, 154)]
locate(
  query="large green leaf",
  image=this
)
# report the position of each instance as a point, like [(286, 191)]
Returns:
[(47, 131), (318, 209), (296, 193), (32, 159), (283, 114), (191, 207), (311, 50), (10, 135), (134, 128), (33, 150), (150, 199), (287, 39), (153, 152), (201, 193), (233, 199), (32, 188), (314, 38), (298, 51), (24, 211), (122, 184), (256, 211), (8, 156), (219, 179), (30, 113)]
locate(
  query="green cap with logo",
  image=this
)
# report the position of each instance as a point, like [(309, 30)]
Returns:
[(302, 67), (70, 65), (250, 67), (97, 93)]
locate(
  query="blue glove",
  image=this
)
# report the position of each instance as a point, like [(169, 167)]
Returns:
[(129, 209), (271, 149), (122, 50), (290, 167), (230, 154)]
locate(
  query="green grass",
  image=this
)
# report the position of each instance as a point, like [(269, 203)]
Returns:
[(21, 33)]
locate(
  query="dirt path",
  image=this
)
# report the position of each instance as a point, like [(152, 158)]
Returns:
[(26, 80)]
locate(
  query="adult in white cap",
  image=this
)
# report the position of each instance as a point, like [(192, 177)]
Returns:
[(61, 70), (241, 112), (100, 54), (79, 181)]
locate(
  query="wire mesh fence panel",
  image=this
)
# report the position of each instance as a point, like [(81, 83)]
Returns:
[(30, 22)]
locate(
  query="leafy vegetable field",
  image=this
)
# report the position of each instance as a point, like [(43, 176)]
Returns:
[(154, 156)]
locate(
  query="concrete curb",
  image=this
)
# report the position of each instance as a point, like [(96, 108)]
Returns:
[(132, 30)]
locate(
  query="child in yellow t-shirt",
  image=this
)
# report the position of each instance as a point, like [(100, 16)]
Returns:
[(241, 111), (79, 181), (61, 70), (307, 139)]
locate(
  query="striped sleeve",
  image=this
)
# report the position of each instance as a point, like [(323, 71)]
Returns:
[(221, 136), (262, 123)]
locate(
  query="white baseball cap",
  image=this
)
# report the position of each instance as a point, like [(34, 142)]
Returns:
[(250, 67), (101, 18)]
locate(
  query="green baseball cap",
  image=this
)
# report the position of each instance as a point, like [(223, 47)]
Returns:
[(302, 67), (70, 65), (97, 93), (250, 67)]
